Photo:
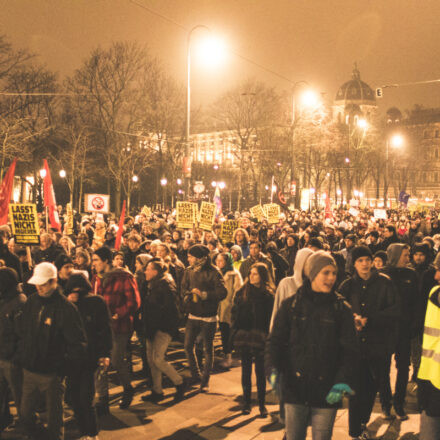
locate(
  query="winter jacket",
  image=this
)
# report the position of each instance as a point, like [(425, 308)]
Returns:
[(130, 258), (251, 318), (119, 289), (210, 280), (11, 308), (51, 335), (289, 253), (96, 320), (233, 282), (159, 311), (375, 299), (313, 345), (11, 260), (280, 264), (406, 284), (50, 254)]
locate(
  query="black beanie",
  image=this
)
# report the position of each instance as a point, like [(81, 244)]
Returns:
[(382, 255), (359, 252), (8, 280), (421, 247), (198, 251), (105, 254), (78, 281), (62, 260)]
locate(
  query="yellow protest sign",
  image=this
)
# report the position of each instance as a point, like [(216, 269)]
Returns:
[(24, 222), (69, 219), (257, 212), (207, 216), (227, 230), (185, 217), (272, 212)]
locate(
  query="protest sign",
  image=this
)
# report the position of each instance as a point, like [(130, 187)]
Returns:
[(257, 212), (185, 215), (24, 222), (380, 214), (207, 216), (227, 230), (147, 211), (69, 219), (353, 211), (272, 212), (97, 203)]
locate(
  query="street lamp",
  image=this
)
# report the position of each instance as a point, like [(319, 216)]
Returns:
[(62, 174), (135, 179), (43, 173), (163, 183), (396, 141), (222, 185), (210, 50)]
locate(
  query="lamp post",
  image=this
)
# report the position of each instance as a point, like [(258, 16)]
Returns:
[(209, 51), (163, 183), (396, 141)]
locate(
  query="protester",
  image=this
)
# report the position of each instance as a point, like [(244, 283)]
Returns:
[(119, 290), (11, 260), (313, 345), (81, 380), (256, 256), (52, 341), (251, 319), (233, 282), (203, 288), (160, 319)]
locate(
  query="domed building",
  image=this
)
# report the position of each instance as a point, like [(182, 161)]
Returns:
[(354, 100)]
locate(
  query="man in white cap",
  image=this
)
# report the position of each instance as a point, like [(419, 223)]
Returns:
[(52, 338)]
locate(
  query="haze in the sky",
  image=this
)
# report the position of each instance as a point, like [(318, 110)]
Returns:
[(393, 41)]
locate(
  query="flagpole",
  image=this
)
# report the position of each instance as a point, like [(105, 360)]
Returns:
[(271, 189), (47, 219)]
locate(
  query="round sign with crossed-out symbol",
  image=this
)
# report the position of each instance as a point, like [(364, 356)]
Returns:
[(98, 203)]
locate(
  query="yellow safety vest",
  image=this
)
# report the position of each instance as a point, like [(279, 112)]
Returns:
[(430, 363)]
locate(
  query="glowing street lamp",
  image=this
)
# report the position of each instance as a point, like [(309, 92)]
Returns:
[(222, 185), (214, 184), (62, 173), (309, 99), (179, 181), (163, 181), (42, 173), (362, 123), (135, 179), (396, 141)]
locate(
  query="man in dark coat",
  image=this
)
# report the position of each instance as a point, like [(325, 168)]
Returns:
[(373, 300), (11, 260)]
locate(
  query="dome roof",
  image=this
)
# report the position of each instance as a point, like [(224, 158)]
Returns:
[(356, 90)]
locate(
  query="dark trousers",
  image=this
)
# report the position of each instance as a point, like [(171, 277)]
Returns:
[(52, 387), (82, 392), (225, 332), (402, 358), (194, 327), (248, 357), (371, 374)]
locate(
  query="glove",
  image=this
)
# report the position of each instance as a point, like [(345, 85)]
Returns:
[(274, 379), (337, 391)]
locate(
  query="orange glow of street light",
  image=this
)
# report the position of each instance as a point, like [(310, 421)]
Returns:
[(362, 123), (210, 51), (397, 141), (309, 99)]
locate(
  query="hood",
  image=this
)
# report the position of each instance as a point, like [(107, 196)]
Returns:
[(115, 272), (300, 261), (394, 251)]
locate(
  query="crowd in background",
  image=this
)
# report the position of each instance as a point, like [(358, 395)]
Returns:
[(318, 305)]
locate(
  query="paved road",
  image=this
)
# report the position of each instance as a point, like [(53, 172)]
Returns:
[(216, 415)]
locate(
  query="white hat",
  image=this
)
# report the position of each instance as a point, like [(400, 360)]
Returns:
[(43, 272)]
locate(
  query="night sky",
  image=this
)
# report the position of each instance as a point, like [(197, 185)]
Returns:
[(393, 41)]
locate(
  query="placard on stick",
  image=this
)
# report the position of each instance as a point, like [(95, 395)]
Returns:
[(207, 216), (24, 222), (272, 212), (185, 215), (257, 212), (227, 230)]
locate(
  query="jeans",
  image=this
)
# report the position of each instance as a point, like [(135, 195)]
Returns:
[(120, 362), (225, 332), (156, 349), (402, 359), (370, 375), (52, 386), (298, 417), (247, 358), (207, 331), (429, 427), (11, 376), (82, 392)]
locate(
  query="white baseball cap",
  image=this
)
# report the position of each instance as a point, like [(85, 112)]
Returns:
[(43, 272)]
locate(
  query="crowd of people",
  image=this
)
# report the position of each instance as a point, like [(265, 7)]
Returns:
[(319, 305)]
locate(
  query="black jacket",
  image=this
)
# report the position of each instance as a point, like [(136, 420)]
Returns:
[(11, 307), (159, 310), (375, 299), (51, 334), (406, 283), (250, 315), (313, 345), (96, 321), (209, 279), (50, 254), (11, 260)]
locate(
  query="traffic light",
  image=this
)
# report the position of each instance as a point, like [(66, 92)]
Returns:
[(379, 92)]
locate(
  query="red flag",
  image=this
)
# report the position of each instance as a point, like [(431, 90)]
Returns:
[(5, 193), (49, 199), (120, 229), (328, 211)]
